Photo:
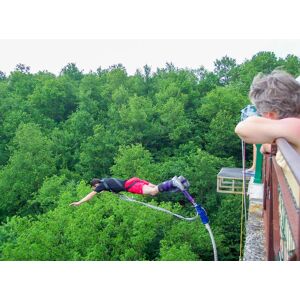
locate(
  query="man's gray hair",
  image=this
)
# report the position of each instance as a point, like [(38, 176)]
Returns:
[(277, 92)]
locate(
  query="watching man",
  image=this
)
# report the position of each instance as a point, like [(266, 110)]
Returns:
[(277, 99)]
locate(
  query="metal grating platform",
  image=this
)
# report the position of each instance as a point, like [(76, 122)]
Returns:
[(230, 181)]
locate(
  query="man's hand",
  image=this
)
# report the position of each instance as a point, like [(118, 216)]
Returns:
[(265, 149), (75, 203)]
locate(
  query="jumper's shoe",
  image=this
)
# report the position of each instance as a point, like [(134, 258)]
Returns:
[(184, 182), (177, 183)]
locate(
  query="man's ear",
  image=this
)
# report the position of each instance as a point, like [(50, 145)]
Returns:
[(271, 115)]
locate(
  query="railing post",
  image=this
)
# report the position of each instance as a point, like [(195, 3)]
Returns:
[(269, 204), (275, 213), (268, 211)]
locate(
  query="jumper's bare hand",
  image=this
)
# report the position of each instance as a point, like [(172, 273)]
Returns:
[(75, 204)]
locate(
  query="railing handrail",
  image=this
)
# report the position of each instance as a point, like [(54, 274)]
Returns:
[(291, 156)]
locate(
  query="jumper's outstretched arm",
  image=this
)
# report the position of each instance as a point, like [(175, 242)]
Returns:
[(88, 197)]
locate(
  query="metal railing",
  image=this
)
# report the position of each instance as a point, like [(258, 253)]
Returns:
[(282, 202)]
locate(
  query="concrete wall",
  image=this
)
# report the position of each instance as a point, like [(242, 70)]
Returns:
[(254, 249)]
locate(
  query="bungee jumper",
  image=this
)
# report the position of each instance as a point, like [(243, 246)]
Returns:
[(136, 185), (132, 185)]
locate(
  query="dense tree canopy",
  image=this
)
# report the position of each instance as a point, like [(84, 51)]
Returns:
[(58, 132)]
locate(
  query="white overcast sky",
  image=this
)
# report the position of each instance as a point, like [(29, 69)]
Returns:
[(53, 55), (46, 35)]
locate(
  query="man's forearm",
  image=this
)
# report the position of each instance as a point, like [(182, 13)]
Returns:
[(87, 197), (257, 130)]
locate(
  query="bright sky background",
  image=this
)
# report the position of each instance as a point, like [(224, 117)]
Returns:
[(53, 55), (46, 35)]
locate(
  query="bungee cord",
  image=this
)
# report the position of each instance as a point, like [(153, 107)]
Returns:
[(126, 198), (199, 209)]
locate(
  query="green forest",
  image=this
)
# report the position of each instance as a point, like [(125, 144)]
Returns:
[(60, 131)]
